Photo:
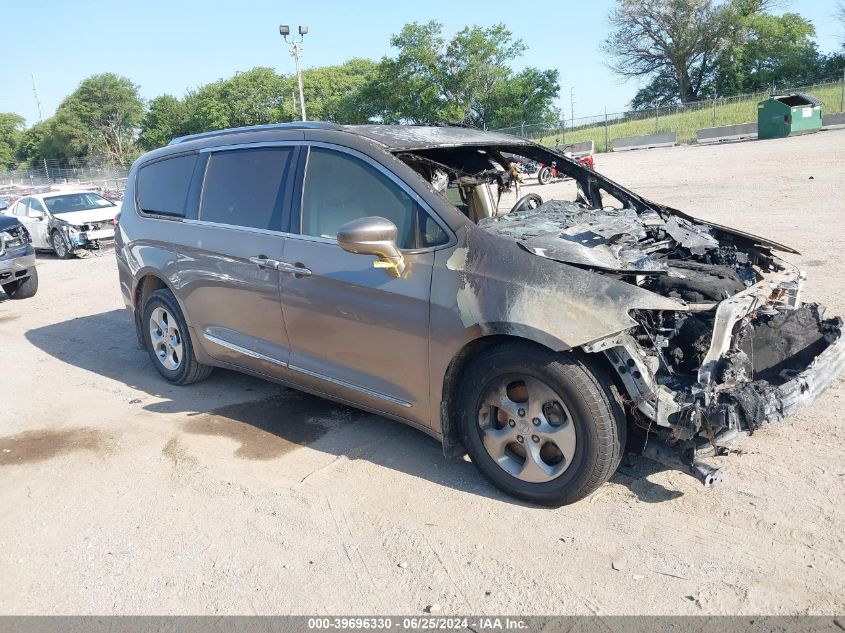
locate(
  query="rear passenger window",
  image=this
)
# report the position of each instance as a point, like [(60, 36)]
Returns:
[(163, 185), (245, 187)]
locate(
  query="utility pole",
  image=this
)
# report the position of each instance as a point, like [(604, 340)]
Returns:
[(37, 100), (296, 52), (40, 119)]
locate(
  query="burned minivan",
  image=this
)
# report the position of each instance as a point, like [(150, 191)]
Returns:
[(377, 266)]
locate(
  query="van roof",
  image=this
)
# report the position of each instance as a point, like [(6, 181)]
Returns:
[(393, 137)]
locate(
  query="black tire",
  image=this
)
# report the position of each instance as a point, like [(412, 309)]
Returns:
[(527, 202), (23, 288), (60, 245), (592, 405), (189, 370), (544, 176)]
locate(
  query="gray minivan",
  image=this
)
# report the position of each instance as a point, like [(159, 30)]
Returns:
[(374, 266)]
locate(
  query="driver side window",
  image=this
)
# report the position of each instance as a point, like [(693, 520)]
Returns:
[(339, 188), (35, 205)]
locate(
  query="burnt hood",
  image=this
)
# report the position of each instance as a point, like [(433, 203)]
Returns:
[(612, 240)]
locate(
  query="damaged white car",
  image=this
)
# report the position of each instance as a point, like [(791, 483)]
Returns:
[(67, 222)]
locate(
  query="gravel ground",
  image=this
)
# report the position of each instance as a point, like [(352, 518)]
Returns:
[(121, 494)]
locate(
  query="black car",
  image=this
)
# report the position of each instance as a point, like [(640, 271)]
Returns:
[(18, 275)]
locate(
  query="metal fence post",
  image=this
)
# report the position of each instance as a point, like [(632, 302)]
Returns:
[(563, 129), (842, 98), (523, 130), (657, 119), (714, 108), (605, 128)]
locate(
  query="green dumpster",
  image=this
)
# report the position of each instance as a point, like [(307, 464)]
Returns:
[(788, 115)]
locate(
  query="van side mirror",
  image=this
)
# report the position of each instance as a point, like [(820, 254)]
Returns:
[(373, 236)]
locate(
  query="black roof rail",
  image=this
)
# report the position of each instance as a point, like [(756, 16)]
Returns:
[(293, 125)]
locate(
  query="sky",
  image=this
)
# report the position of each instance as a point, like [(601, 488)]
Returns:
[(174, 45)]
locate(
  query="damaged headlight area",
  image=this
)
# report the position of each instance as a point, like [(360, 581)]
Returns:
[(701, 380), (85, 236)]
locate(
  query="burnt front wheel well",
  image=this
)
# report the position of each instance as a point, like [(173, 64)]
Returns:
[(452, 444)]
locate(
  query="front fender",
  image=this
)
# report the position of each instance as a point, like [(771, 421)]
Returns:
[(501, 288)]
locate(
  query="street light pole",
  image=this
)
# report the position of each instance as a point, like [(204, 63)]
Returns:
[(296, 52)]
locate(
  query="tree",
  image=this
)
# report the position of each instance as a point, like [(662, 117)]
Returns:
[(101, 117), (11, 132), (526, 97), (675, 44), (840, 16), (770, 50), (675, 40), (247, 98), (461, 80), (166, 118), (331, 92)]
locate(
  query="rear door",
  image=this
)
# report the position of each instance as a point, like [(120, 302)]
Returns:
[(355, 331), (37, 227), (227, 269)]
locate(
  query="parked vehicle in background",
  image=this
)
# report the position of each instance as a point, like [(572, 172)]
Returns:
[(330, 258), (18, 276), (549, 173), (66, 222)]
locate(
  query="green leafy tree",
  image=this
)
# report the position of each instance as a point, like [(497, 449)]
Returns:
[(100, 117), (525, 97), (466, 79), (675, 45), (771, 50), (331, 92), (11, 133), (166, 118), (249, 98)]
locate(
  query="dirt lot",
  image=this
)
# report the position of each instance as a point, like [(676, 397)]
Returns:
[(121, 494)]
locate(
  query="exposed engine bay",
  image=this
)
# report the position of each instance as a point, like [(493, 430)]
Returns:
[(743, 352)]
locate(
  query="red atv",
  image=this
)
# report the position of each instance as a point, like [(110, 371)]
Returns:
[(548, 173)]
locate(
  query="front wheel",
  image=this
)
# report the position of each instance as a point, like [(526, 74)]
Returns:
[(59, 245), (539, 425), (544, 176)]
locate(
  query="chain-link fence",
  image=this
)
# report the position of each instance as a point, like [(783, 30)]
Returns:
[(86, 173), (684, 119)]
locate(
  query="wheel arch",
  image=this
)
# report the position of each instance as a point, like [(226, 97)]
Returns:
[(147, 281), (463, 359), (452, 443)]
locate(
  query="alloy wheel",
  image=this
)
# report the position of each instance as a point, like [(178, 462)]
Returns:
[(166, 339), (526, 428)]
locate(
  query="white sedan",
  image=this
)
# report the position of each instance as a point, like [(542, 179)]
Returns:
[(66, 222)]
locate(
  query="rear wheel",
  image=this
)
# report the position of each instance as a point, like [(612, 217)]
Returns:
[(544, 176), (23, 288), (540, 425), (167, 341)]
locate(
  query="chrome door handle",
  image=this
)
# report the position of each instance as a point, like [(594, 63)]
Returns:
[(286, 267), (264, 262)]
